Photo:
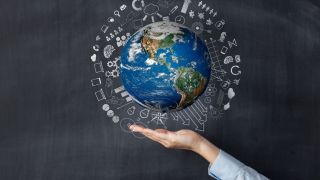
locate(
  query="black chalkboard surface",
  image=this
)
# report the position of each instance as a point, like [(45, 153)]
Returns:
[(51, 126)]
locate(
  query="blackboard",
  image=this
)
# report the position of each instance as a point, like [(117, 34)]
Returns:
[(51, 126)]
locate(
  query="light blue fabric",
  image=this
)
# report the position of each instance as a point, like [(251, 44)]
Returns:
[(226, 167)]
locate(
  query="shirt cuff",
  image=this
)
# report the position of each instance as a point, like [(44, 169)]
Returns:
[(225, 166)]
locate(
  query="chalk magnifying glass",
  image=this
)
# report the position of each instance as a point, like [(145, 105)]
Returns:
[(117, 13)]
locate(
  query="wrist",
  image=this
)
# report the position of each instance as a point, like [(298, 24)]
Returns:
[(207, 150), (197, 147)]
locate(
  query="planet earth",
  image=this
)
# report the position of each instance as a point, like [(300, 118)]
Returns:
[(165, 66)]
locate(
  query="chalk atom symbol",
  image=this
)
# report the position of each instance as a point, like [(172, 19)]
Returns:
[(159, 118)]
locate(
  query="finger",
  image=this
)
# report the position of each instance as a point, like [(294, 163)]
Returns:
[(154, 138), (162, 131), (162, 134), (136, 128), (157, 135)]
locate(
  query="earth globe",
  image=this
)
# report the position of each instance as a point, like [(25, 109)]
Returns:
[(165, 66)]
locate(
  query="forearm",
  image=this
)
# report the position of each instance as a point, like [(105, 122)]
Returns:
[(223, 165), (207, 150)]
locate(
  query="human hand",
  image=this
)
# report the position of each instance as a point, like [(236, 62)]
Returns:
[(183, 139)]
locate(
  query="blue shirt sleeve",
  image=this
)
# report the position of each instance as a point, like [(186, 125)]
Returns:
[(226, 167)]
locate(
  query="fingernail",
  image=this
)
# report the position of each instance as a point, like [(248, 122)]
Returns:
[(131, 127)]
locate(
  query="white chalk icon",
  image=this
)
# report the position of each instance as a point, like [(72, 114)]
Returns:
[(201, 15), (225, 84), (151, 10), (180, 19), (224, 50), (198, 120), (98, 38), (108, 51), (197, 28), (106, 107), (117, 13), (104, 28), (121, 41), (115, 101), (211, 90), (165, 18), (209, 22), (115, 119), (232, 43), (196, 113), (93, 57), (96, 82), (123, 93), (216, 71), (123, 7), (144, 113), (110, 64), (208, 8), (185, 6), (116, 62), (214, 14), (110, 113), (226, 106), (131, 110), (236, 82), (231, 93), (204, 6), (112, 74), (178, 117), (98, 67), (237, 58), (191, 14), (110, 20), (222, 37), (100, 95), (228, 60), (220, 24), (235, 70), (136, 7), (215, 112), (96, 47), (159, 118), (173, 10)]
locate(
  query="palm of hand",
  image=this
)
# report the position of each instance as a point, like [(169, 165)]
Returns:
[(183, 139)]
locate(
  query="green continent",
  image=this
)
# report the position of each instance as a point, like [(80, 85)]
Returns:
[(190, 84), (167, 41), (151, 46)]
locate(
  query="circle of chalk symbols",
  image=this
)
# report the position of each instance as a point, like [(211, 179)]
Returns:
[(205, 21)]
